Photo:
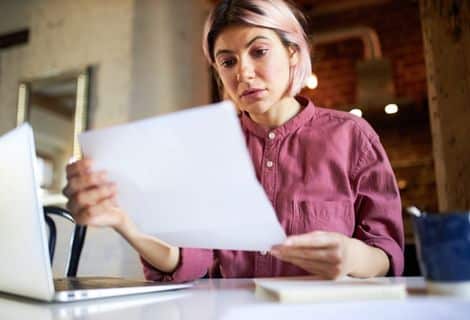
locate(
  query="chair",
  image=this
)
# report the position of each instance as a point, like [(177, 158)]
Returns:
[(77, 239)]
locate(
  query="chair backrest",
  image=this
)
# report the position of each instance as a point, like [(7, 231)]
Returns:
[(76, 244)]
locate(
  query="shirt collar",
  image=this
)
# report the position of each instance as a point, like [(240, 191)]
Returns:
[(307, 112)]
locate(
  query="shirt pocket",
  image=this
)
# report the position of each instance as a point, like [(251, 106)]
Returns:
[(333, 216)]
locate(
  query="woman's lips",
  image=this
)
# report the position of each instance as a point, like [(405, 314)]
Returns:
[(252, 93)]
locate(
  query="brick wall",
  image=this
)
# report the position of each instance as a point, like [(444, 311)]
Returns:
[(397, 24), (406, 135)]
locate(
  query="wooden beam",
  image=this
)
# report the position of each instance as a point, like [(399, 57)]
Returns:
[(446, 34), (14, 38)]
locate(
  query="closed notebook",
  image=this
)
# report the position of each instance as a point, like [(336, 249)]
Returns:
[(302, 290)]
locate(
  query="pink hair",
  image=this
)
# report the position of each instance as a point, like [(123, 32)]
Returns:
[(272, 14)]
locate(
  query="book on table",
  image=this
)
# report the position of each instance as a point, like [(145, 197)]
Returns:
[(305, 289)]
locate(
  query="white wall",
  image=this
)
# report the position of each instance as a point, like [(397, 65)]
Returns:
[(147, 58), (169, 71), (66, 35), (15, 15)]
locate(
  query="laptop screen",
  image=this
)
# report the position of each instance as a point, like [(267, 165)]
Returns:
[(25, 268)]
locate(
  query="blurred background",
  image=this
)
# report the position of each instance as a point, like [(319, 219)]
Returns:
[(403, 65)]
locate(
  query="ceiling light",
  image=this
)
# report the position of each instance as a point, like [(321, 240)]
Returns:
[(357, 112), (312, 81), (402, 184), (391, 108)]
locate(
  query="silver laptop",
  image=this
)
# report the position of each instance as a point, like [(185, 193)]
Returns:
[(25, 268)]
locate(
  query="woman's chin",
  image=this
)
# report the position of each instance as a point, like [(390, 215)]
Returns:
[(256, 108)]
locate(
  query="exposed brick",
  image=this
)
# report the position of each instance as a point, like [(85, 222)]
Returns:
[(398, 26)]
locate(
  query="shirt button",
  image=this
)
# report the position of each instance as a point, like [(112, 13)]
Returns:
[(269, 164), (271, 135)]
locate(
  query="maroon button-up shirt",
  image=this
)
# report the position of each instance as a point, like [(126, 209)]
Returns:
[(322, 170)]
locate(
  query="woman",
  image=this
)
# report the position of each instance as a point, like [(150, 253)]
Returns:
[(324, 171)]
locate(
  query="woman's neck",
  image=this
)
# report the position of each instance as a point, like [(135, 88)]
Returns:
[(278, 114)]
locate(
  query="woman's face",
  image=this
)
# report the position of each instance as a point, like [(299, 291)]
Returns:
[(254, 67)]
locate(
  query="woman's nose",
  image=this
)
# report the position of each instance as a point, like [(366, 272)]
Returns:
[(245, 71)]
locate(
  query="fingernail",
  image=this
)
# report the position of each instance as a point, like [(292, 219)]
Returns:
[(87, 164)]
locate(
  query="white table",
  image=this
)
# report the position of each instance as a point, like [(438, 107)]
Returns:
[(234, 299)]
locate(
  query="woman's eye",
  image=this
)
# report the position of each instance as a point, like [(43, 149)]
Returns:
[(260, 52), (227, 63)]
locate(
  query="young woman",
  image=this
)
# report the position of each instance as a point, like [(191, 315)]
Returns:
[(324, 171)]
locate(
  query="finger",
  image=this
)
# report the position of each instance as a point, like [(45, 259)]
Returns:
[(325, 270), (331, 255), (98, 215), (83, 182), (77, 167), (321, 270), (91, 197), (103, 206), (315, 239), (84, 216), (113, 200)]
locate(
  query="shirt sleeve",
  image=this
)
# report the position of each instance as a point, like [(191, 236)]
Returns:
[(379, 221), (193, 264)]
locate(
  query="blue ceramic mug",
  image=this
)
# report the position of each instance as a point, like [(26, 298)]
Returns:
[(443, 250)]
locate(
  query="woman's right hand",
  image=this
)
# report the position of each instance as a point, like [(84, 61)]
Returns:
[(92, 202), (91, 196)]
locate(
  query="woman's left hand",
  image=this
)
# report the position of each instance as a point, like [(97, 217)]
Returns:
[(323, 254)]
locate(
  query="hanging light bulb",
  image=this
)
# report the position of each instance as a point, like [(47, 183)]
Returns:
[(357, 112), (391, 108), (312, 81)]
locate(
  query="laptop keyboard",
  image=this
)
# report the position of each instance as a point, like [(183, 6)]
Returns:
[(65, 284)]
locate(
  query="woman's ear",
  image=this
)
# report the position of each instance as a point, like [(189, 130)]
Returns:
[(293, 56)]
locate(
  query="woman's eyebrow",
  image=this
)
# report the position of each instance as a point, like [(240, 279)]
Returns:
[(249, 43), (254, 39)]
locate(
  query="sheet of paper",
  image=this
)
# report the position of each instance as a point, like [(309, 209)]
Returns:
[(188, 179), (304, 290), (410, 308)]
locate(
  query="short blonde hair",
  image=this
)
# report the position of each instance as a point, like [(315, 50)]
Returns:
[(276, 15)]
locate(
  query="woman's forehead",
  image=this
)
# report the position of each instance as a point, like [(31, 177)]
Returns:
[(236, 36)]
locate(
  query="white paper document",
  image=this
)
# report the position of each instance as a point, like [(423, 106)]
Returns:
[(187, 178), (426, 308)]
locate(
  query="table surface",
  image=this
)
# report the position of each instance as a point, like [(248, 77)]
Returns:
[(235, 299)]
